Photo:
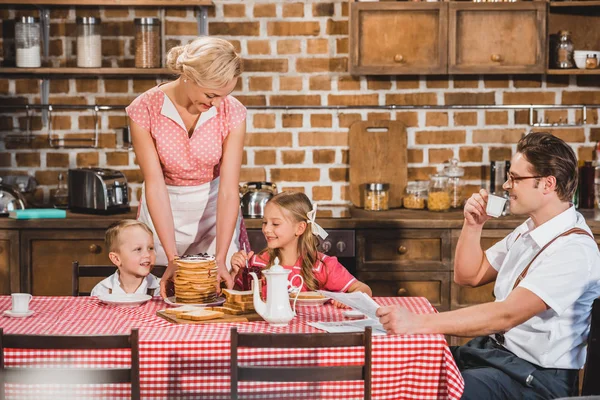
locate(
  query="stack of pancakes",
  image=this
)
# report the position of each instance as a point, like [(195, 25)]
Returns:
[(196, 279)]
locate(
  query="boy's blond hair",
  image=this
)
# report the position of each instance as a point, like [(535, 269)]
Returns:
[(114, 231)]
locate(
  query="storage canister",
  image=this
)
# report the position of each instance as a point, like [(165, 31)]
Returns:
[(438, 198), (377, 196), (564, 50), (455, 183), (147, 43), (27, 42), (416, 195), (89, 42)]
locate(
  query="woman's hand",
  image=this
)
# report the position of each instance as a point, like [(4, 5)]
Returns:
[(475, 206), (167, 286), (223, 275)]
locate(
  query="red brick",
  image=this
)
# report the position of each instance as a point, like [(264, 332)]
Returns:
[(289, 46), (323, 139), (287, 28), (86, 122), (439, 156), (569, 135), (527, 81), (339, 174), (349, 83), (437, 82), (378, 83), (86, 85), (264, 121), (337, 27), (421, 173), (323, 156), (257, 100), (290, 83), (553, 81), (495, 82), (317, 46), (341, 46), (529, 98), (414, 156), (470, 154), (496, 117), (116, 121), (378, 116), (405, 99), (88, 159), (319, 82), (497, 135), (465, 118), (269, 139), (295, 174), (265, 157), (322, 193), (48, 177), (466, 82), (28, 159), (5, 159), (293, 10), (295, 100), (408, 118), (323, 10), (260, 83), (352, 100), (176, 13), (253, 174), (436, 119), (116, 85), (499, 153), (141, 85), (259, 47), (581, 97), (586, 153), (345, 120), (265, 10), (440, 137), (234, 10), (291, 120), (322, 64), (117, 158), (321, 121), (27, 86), (225, 29), (293, 156), (466, 98), (59, 86)]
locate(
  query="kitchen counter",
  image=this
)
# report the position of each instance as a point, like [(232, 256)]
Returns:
[(329, 218)]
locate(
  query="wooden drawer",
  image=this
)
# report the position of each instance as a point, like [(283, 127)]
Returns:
[(435, 286), (416, 250), (50, 255), (497, 38), (463, 296), (9, 262), (394, 38)]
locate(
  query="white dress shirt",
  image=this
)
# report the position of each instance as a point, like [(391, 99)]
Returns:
[(566, 276), (113, 285)]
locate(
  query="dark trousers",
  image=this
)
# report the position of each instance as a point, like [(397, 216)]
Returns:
[(492, 372)]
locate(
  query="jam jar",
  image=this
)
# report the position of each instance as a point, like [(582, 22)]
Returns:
[(438, 198)]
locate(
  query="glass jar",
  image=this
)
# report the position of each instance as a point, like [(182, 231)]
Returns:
[(61, 196), (438, 198), (147, 43), (377, 196), (455, 183), (89, 42), (415, 197), (591, 61), (27, 42), (564, 50)]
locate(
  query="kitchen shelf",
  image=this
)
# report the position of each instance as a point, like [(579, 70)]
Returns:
[(114, 3), (573, 71), (85, 71), (591, 3)]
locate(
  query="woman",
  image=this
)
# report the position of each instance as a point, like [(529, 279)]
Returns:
[(188, 137)]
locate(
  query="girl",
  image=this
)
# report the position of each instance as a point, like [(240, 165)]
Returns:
[(291, 232), (188, 137)]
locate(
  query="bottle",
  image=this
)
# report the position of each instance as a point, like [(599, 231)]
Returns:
[(61, 196), (377, 196), (27, 42), (147, 43), (455, 174), (586, 185), (564, 50), (89, 42), (438, 198)]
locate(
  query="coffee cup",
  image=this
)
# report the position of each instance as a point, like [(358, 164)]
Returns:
[(495, 205), (20, 302)]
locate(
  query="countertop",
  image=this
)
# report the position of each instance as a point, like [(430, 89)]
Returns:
[(328, 218)]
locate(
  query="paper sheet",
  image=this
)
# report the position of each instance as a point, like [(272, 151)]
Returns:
[(357, 300), (349, 326)]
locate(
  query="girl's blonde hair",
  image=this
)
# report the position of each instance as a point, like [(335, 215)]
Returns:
[(298, 205), (115, 230), (208, 61)]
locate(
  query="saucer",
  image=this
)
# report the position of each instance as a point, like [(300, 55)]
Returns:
[(10, 313)]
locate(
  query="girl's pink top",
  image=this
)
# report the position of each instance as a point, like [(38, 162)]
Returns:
[(186, 161)]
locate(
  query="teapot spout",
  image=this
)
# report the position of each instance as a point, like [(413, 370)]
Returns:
[(259, 305)]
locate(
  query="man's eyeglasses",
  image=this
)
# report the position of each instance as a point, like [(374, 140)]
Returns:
[(512, 179)]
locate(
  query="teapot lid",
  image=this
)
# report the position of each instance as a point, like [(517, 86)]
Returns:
[(276, 268)]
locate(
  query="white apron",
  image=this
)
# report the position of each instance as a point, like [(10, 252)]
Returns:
[(194, 211)]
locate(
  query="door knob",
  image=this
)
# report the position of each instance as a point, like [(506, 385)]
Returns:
[(341, 246), (402, 250), (326, 246), (94, 248), (496, 57), (402, 292), (399, 58)]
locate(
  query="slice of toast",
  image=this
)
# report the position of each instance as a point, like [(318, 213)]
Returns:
[(180, 310), (237, 296), (201, 315), (241, 306), (307, 296)]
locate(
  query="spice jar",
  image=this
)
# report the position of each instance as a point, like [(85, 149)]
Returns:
[(27, 42), (438, 198), (416, 195), (564, 50), (377, 196), (89, 42), (147, 43), (455, 183), (591, 61)]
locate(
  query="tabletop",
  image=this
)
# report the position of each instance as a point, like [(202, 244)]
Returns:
[(192, 361)]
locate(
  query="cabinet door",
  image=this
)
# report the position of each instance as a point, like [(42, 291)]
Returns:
[(497, 38), (50, 254), (398, 38), (9, 262), (434, 286)]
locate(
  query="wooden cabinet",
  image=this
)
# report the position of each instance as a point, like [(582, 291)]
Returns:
[(48, 256), (397, 38), (9, 261), (497, 37)]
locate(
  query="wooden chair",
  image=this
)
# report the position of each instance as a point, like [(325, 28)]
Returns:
[(100, 271), (300, 374), (71, 376), (591, 371)]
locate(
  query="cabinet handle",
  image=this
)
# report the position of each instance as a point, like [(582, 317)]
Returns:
[(94, 248), (399, 58), (496, 57), (402, 250), (402, 292)]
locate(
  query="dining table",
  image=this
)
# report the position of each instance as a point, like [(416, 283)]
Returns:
[(192, 361)]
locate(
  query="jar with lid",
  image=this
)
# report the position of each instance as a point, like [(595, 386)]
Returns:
[(455, 183), (415, 197), (564, 50), (591, 61), (438, 198), (89, 42), (27, 42), (377, 196), (147, 43)]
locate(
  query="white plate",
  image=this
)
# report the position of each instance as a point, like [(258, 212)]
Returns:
[(310, 302), (218, 302), (353, 314), (10, 313), (124, 300)]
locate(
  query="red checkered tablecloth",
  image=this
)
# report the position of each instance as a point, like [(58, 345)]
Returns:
[(192, 361)]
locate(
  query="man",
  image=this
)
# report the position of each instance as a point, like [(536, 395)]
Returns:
[(532, 339)]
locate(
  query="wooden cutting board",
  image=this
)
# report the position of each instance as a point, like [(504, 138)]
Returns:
[(378, 155), (223, 318)]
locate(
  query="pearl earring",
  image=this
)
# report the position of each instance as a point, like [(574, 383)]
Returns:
[(185, 81)]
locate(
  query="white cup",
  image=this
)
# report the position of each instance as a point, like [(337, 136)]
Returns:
[(20, 302), (495, 205)]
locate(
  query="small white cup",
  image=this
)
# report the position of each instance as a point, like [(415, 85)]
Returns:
[(495, 205), (20, 302)]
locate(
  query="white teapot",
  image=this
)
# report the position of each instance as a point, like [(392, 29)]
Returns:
[(277, 310)]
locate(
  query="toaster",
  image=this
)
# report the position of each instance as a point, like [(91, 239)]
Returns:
[(97, 191)]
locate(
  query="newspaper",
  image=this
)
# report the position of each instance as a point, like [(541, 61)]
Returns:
[(356, 300)]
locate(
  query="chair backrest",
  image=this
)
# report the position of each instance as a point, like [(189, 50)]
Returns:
[(591, 383), (301, 373), (100, 271), (71, 376)]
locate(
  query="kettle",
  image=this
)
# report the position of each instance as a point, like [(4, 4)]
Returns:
[(10, 199), (277, 310), (254, 197)]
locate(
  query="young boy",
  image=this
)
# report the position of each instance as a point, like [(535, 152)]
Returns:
[(131, 248)]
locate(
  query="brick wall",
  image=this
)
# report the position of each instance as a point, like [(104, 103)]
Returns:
[(295, 53)]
